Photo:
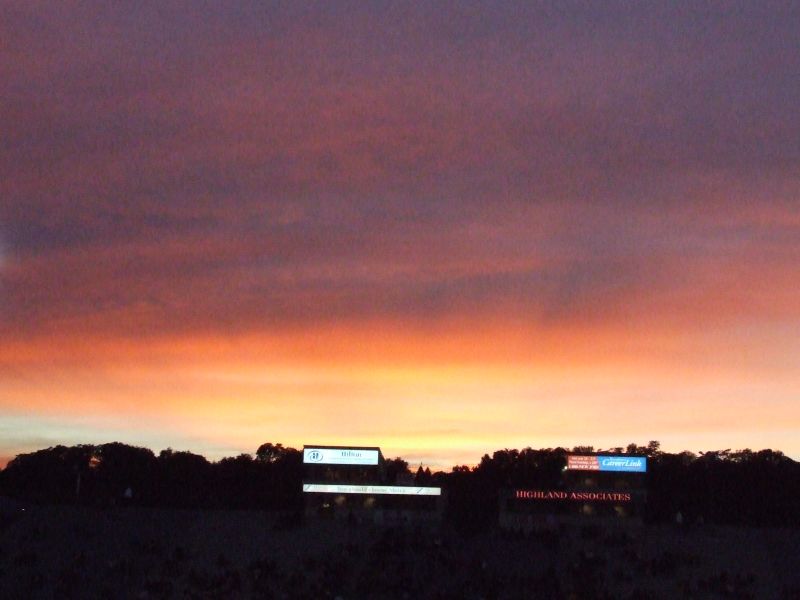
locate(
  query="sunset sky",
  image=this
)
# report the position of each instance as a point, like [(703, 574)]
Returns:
[(438, 228)]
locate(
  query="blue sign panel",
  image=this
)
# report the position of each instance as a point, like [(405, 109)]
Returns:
[(634, 464)]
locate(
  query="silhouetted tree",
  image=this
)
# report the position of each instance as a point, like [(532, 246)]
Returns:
[(270, 453), (396, 467), (119, 467), (184, 478), (423, 476), (51, 475), (287, 480), (653, 448)]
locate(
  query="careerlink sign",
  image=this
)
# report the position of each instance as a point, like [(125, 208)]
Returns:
[(630, 464), (340, 456), (635, 464)]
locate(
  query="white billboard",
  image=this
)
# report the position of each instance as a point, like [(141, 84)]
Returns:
[(340, 456), (394, 490)]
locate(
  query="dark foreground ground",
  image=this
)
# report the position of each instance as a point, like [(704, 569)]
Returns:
[(69, 552)]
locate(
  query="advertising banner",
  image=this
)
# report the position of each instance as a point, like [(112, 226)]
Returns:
[(632, 464), (340, 456), (393, 490), (597, 496)]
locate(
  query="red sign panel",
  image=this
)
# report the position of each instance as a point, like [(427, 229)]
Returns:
[(583, 463)]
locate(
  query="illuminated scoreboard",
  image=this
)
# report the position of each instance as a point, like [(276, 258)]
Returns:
[(619, 463)]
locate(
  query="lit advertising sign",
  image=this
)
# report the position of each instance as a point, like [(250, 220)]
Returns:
[(393, 490), (574, 496), (631, 464), (340, 456)]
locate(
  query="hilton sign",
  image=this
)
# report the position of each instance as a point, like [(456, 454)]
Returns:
[(340, 456)]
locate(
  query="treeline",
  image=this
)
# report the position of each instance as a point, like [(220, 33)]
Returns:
[(742, 487), (116, 473)]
